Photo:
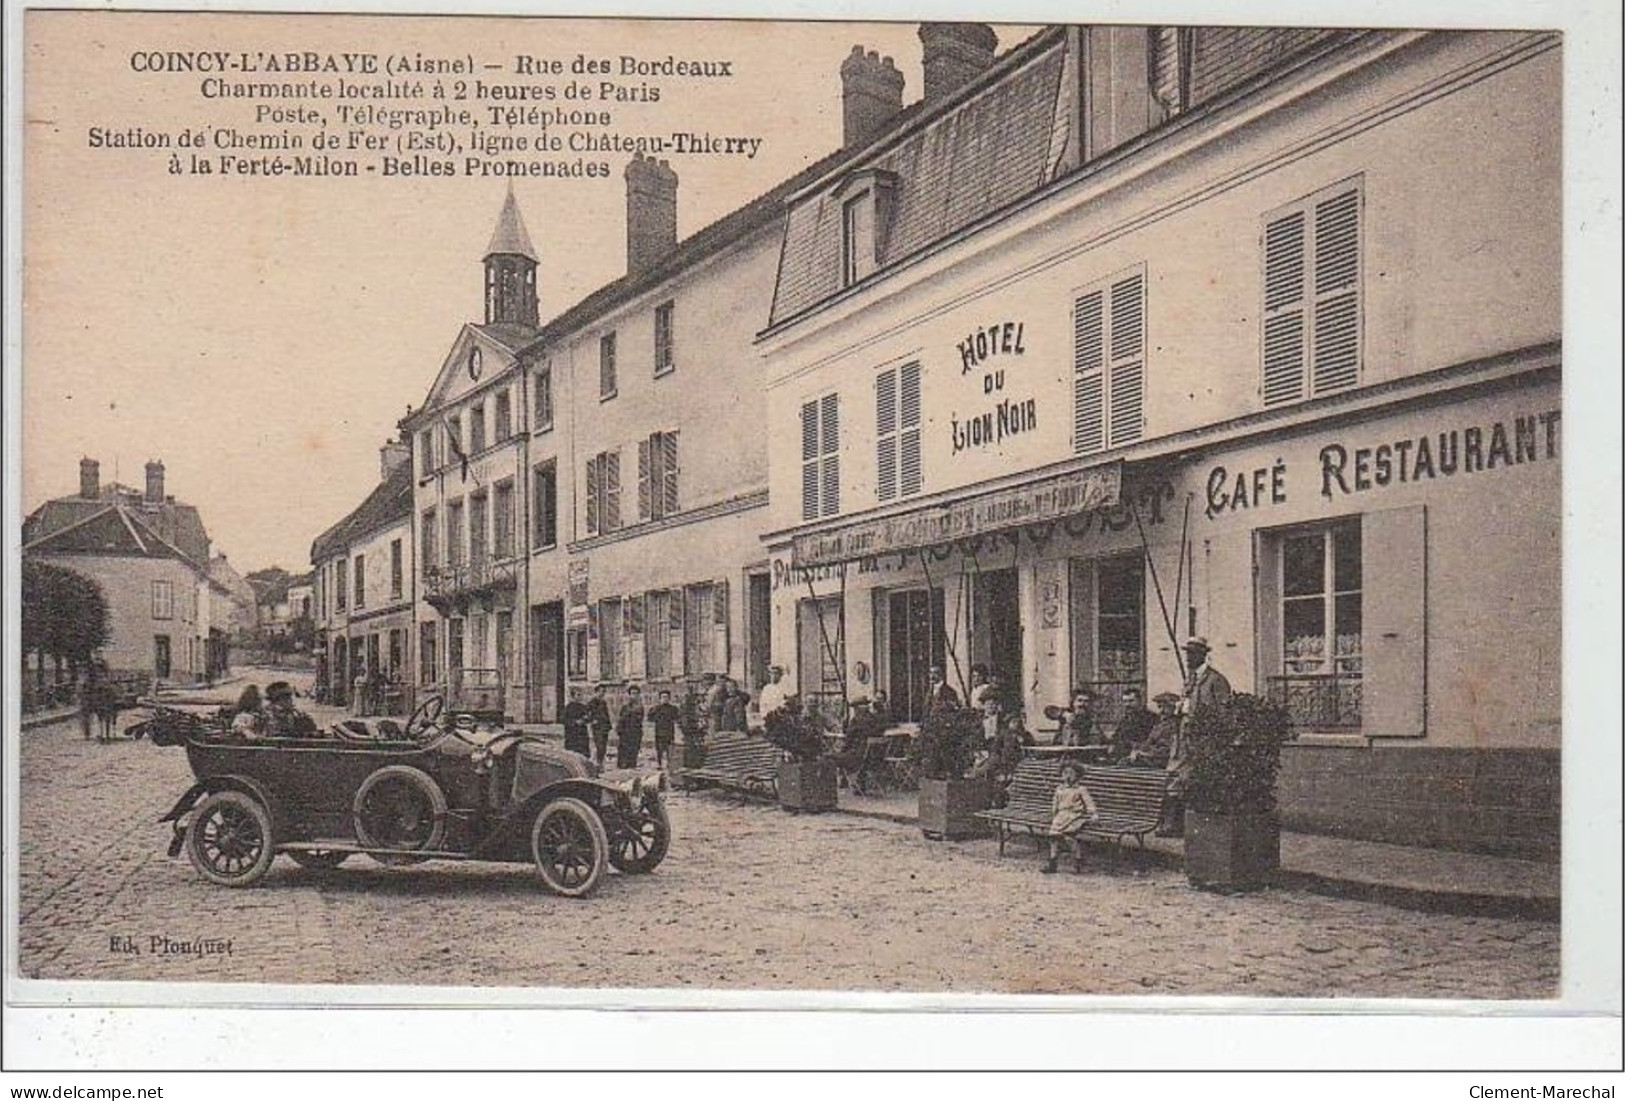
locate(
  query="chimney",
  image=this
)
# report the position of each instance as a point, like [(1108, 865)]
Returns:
[(955, 55), (392, 455), (651, 212), (155, 482), (90, 479), (871, 96)]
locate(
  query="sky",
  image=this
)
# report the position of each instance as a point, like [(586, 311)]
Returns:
[(262, 337)]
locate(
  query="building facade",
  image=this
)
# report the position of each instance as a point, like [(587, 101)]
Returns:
[(363, 596), (1141, 333)]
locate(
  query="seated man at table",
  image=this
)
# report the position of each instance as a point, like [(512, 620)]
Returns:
[(1005, 748), (1157, 747), (1133, 729), (1078, 725), (863, 729)]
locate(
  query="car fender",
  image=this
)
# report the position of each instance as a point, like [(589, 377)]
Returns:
[(513, 830), (211, 784)]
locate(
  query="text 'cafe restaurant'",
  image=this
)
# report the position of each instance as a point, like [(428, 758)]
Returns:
[(1391, 571)]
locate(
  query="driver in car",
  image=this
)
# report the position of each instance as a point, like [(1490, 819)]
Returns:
[(282, 718)]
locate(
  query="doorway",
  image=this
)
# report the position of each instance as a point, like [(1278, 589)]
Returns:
[(758, 630), (996, 627), (547, 657), (161, 663), (915, 638)]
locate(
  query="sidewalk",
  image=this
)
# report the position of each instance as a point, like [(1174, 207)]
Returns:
[(1436, 880)]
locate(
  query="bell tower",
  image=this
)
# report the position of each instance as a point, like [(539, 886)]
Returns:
[(510, 270)]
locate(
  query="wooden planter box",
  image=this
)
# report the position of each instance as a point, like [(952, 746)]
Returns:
[(948, 808), (807, 785), (1232, 852)]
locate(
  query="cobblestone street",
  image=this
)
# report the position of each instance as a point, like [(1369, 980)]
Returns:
[(749, 897)]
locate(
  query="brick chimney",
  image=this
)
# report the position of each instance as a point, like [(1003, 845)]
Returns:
[(392, 455), (155, 482), (871, 96), (90, 479), (651, 212), (955, 55)]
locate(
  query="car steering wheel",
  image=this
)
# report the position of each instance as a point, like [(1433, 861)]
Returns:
[(424, 716)]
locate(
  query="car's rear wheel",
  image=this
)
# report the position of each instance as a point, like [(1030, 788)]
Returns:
[(318, 859), (643, 842), (570, 847), (229, 839), (400, 808)]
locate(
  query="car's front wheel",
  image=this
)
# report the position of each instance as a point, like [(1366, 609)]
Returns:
[(642, 841), (570, 847), (229, 839)]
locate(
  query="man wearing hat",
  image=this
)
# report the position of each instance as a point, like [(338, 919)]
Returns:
[(774, 692), (1205, 686), (282, 718)]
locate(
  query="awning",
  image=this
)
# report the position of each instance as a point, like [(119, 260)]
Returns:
[(1036, 502)]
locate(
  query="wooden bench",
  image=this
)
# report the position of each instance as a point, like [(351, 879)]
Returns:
[(739, 762), (1129, 801)]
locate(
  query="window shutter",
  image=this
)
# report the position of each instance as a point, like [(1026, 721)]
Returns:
[(1267, 604), (674, 633), (1088, 384), (611, 461), (809, 461), (592, 642), (592, 496), (1284, 256), (1337, 281), (645, 507), (1393, 550), (886, 435), (668, 472), (719, 618), (911, 475), (1128, 360), (829, 415)]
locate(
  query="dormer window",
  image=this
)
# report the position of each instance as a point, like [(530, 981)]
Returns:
[(866, 204)]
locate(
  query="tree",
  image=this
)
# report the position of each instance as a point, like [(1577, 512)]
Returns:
[(64, 616)]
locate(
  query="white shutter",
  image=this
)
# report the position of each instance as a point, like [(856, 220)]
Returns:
[(1393, 557), (719, 617), (809, 461), (1337, 283), (1284, 260), (1127, 389), (645, 503), (593, 488), (886, 434), (668, 473), (1089, 384), (677, 663), (611, 462), (911, 476), (1267, 602), (829, 416), (592, 642)]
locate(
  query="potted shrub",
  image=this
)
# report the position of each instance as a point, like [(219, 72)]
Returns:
[(944, 753), (1232, 831), (807, 778)]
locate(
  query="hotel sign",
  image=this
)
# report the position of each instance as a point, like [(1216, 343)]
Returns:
[(1035, 503)]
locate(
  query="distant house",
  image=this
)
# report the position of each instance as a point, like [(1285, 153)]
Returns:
[(150, 554)]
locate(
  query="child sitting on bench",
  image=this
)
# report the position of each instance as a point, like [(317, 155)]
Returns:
[(1074, 808)]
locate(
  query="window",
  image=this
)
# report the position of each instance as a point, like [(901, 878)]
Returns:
[(1320, 623), (857, 238), (897, 432), (478, 531), (575, 653), (1311, 339), (1108, 360), (163, 600), (476, 428), (454, 434), (609, 639), (1108, 629), (360, 581), (503, 428), (426, 461), (480, 630), (657, 476), (544, 398), (341, 586), (502, 518), (545, 514), (454, 534), (428, 652), (665, 361), (606, 366), (430, 542), (820, 457), (397, 572), (820, 649), (604, 493), (397, 651), (705, 628), (505, 646)]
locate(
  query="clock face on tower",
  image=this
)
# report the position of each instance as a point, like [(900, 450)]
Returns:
[(474, 364)]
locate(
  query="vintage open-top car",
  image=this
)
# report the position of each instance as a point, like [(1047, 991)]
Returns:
[(403, 793)]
